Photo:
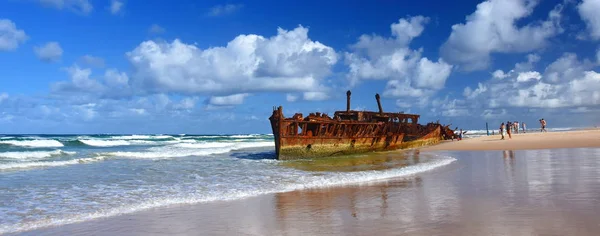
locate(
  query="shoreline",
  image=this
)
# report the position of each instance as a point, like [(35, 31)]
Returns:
[(140, 221), (456, 199), (523, 141)]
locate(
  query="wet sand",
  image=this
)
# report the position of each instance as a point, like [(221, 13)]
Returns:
[(522, 141), (524, 192)]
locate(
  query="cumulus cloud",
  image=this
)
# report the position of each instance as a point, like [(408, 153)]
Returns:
[(234, 99), (566, 82), (49, 52), (10, 36), (287, 62), (92, 61), (220, 10), (409, 74), (291, 97), (156, 29), (3, 96), (492, 28), (588, 10), (113, 84), (78, 6), (116, 6), (315, 96)]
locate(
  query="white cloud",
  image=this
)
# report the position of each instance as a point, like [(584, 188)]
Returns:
[(565, 69), (588, 10), (49, 52), (138, 111), (235, 99), (3, 96), (315, 96), (156, 29), (116, 79), (86, 111), (375, 57), (78, 6), (529, 75), (116, 6), (220, 10), (499, 74), (79, 81), (10, 36), (92, 61), (186, 103), (566, 82), (287, 62), (492, 28), (469, 93), (112, 84), (432, 75), (291, 97)]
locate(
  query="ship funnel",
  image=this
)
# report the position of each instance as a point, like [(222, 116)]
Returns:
[(348, 100), (379, 103)]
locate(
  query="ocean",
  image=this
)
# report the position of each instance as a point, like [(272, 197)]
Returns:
[(53, 180)]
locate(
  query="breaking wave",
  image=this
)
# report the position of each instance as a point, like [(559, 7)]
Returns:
[(190, 149), (104, 143), (38, 143), (38, 164), (233, 193), (34, 154)]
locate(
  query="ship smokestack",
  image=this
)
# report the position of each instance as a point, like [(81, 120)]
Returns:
[(379, 103), (348, 100)]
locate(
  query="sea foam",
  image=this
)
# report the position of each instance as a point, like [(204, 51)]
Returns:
[(104, 143), (38, 143), (38, 164), (304, 182), (189, 149), (34, 154)]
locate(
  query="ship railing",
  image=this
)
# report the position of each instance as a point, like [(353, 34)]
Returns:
[(335, 129)]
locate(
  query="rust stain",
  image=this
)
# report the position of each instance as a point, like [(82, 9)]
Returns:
[(319, 135)]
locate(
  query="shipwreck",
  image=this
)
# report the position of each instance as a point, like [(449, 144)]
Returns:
[(350, 132)]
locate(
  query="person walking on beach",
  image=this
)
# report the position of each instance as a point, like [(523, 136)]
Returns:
[(524, 128), (508, 129), (502, 130), (543, 123), (516, 127)]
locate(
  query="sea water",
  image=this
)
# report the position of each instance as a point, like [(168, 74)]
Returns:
[(51, 180)]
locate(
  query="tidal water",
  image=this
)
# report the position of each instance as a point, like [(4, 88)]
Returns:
[(525, 192), (50, 180)]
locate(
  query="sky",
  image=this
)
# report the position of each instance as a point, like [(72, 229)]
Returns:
[(219, 67)]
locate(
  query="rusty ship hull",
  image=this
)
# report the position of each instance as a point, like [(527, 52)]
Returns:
[(349, 132)]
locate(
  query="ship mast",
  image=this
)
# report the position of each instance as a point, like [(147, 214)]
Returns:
[(379, 103), (348, 101)]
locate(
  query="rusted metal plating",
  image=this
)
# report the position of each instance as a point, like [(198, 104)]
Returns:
[(379, 130)]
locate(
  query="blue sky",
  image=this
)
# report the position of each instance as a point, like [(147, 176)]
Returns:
[(107, 66)]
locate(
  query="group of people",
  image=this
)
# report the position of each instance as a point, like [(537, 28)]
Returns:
[(511, 127)]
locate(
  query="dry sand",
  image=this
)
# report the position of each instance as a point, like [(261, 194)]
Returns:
[(568, 139)]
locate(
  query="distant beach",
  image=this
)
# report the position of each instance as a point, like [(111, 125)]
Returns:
[(531, 140)]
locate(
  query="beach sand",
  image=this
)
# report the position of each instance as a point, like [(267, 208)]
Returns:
[(521, 141), (506, 192)]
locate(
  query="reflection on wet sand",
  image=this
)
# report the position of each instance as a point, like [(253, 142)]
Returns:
[(541, 192), (361, 162), (335, 210)]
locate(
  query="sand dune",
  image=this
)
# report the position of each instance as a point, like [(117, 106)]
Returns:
[(567, 139)]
